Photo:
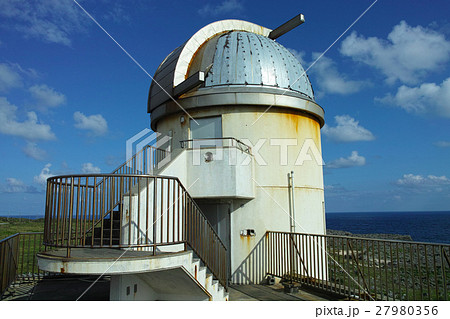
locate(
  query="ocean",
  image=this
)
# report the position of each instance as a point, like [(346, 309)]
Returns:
[(24, 216), (421, 226)]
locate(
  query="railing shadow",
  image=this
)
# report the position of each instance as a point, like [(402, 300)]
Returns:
[(253, 269)]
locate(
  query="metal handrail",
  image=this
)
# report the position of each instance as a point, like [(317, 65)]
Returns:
[(234, 143), (361, 268), (139, 157), (18, 259), (166, 215), (138, 161)]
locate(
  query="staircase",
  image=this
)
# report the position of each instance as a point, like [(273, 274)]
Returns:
[(205, 278), (130, 210), (107, 234)]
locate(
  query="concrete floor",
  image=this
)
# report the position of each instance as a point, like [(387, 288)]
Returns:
[(70, 288), (270, 293), (67, 288)]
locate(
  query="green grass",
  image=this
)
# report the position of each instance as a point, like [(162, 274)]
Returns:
[(10, 226), (408, 279), (23, 248)]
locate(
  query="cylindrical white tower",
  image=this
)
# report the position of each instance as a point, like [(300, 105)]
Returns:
[(230, 80)]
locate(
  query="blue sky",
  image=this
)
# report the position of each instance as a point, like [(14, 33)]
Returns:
[(70, 98)]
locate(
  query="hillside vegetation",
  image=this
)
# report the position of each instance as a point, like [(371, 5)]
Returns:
[(9, 226)]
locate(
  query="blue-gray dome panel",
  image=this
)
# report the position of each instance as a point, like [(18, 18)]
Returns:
[(243, 58)]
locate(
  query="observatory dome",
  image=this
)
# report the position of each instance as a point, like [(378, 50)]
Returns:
[(245, 58), (231, 56)]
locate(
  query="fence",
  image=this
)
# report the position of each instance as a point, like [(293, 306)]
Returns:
[(18, 262), (360, 268)]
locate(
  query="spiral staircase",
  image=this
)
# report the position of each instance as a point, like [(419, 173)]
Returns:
[(144, 230)]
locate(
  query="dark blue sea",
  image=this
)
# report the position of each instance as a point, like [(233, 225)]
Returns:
[(421, 226)]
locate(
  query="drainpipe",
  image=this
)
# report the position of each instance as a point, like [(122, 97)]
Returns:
[(293, 202), (291, 188), (290, 201)]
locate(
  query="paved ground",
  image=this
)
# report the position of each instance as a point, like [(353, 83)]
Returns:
[(258, 293), (70, 288), (67, 289), (269, 293)]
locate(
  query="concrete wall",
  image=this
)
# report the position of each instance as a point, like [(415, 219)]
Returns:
[(171, 284), (130, 288), (227, 175)]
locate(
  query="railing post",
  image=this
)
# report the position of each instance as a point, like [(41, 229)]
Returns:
[(47, 208), (93, 209), (69, 235), (155, 207), (444, 276)]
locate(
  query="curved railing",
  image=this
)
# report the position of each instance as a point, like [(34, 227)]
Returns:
[(145, 161), (129, 211)]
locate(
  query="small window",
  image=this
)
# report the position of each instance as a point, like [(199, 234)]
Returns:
[(209, 128)]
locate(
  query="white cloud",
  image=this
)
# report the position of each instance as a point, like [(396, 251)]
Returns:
[(428, 98), (51, 21), (430, 182), (407, 55), (347, 130), (330, 80), (442, 144), (47, 97), (14, 185), (33, 151), (116, 13), (41, 179), (96, 124), (300, 55), (227, 6), (353, 160), (335, 190), (9, 77), (30, 129), (89, 168)]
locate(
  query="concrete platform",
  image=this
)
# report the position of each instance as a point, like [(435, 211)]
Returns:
[(104, 261), (270, 293), (69, 288), (86, 254)]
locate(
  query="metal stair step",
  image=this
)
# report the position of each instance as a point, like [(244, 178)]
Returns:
[(106, 233), (106, 241), (107, 224)]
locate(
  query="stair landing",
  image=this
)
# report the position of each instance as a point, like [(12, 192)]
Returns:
[(138, 275), (107, 261)]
